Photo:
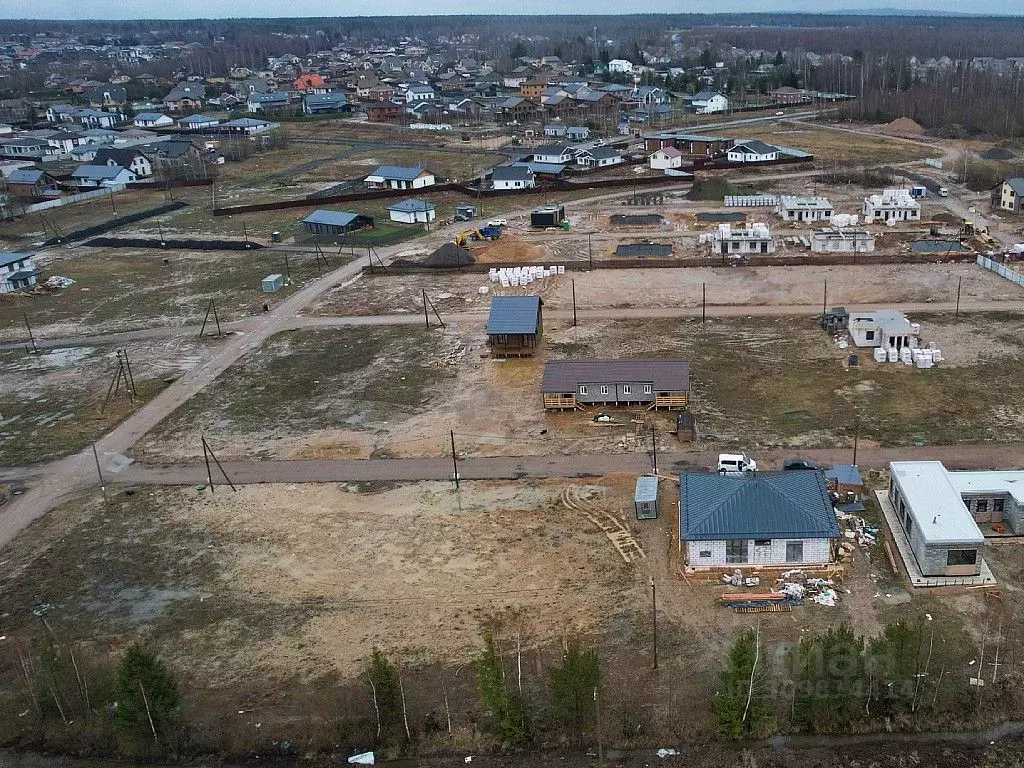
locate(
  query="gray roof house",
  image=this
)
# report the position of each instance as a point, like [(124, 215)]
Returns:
[(513, 177), (16, 271), (399, 177), (324, 222), (570, 384), (515, 326), (101, 176), (764, 519)]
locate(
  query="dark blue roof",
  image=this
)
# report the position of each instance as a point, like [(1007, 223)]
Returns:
[(514, 314), (413, 205), (766, 505), (331, 218), (845, 474)]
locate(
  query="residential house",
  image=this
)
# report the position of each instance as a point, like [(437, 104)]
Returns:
[(107, 96), (324, 222), (752, 151), (599, 157), (365, 84), (553, 153), (516, 109), (533, 89), (130, 158), (198, 122), (416, 93), (17, 111), (883, 328), (185, 96), (31, 184), (649, 94), (379, 93), (689, 144), (413, 211), (891, 205), (310, 83), (649, 113), (324, 103), (555, 130), (708, 102), (17, 271), (24, 148), (250, 126), (798, 208), (398, 177), (620, 66), (172, 154), (943, 536), (842, 240), (152, 120), (513, 177), (267, 102), (92, 176), (1010, 195), (570, 384), (384, 112), (760, 519), (743, 241), (790, 95), (668, 157), (515, 326), (577, 133)]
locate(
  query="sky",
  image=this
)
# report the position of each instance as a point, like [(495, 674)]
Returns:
[(186, 9)]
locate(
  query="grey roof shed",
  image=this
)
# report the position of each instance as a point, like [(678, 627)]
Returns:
[(514, 314)]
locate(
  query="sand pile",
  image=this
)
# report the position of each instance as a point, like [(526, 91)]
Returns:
[(902, 126), (511, 250)]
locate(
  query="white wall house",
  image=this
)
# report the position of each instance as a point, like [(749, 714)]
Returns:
[(750, 239), (892, 205), (798, 208), (752, 152), (620, 66), (599, 157), (708, 102), (666, 157), (413, 211), (91, 176), (555, 154), (842, 240), (17, 271), (399, 177), (513, 177), (883, 328), (152, 120), (761, 519), (419, 93)]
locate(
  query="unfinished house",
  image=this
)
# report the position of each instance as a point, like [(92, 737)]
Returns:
[(762, 519), (753, 238), (515, 326), (793, 208), (883, 328), (17, 271), (570, 384), (840, 240), (893, 205), (943, 537)]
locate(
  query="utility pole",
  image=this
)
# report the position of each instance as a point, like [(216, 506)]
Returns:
[(128, 368), (654, 448), (574, 302), (99, 472), (856, 435), (703, 302), (287, 269), (426, 314), (590, 250), (597, 727), (31, 337), (959, 283), (654, 618), (455, 461), (824, 300)]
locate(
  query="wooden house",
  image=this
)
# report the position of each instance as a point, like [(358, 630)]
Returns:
[(515, 326), (570, 384)]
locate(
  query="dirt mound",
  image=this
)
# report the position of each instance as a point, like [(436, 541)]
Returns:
[(448, 255), (902, 126), (998, 153), (511, 250)]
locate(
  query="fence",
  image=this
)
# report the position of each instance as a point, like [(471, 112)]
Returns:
[(1002, 270), (74, 198)]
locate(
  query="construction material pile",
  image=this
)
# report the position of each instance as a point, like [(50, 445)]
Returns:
[(516, 276), (448, 256), (792, 588), (902, 126)]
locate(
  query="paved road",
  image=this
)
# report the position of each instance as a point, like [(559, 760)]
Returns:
[(984, 456)]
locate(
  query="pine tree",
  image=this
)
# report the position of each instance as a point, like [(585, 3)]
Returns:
[(147, 697), (572, 688), (741, 701), (387, 695), (508, 710)]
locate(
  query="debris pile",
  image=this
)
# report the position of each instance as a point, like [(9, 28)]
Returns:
[(56, 281)]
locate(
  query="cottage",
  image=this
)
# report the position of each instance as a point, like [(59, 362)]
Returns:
[(267, 102), (762, 519), (844, 240), (1010, 195), (412, 211), (620, 66), (892, 205), (249, 126), (198, 122), (883, 328), (516, 109), (399, 177), (796, 208), (417, 92), (553, 153), (130, 158), (666, 157), (599, 157), (384, 112), (106, 96), (688, 144), (513, 177), (708, 102), (310, 82), (92, 176), (787, 94), (17, 271), (570, 384), (515, 326), (753, 151), (555, 130), (324, 222), (152, 120), (185, 96), (31, 183), (324, 103), (752, 238), (943, 537)]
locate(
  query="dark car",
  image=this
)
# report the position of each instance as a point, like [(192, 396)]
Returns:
[(800, 464)]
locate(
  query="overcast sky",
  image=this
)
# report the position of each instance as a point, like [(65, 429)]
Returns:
[(186, 9)]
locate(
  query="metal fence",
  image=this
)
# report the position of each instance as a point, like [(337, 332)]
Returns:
[(73, 198), (1002, 270)]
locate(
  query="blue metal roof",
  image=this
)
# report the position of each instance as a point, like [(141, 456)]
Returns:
[(413, 205), (13, 257), (397, 172), (766, 505), (331, 218), (551, 168), (24, 176), (845, 474), (514, 314)]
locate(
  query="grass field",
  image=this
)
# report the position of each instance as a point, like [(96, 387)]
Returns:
[(830, 146)]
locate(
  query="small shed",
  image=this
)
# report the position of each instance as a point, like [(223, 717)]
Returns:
[(272, 283), (515, 326), (686, 427), (547, 216), (646, 498), (844, 479)]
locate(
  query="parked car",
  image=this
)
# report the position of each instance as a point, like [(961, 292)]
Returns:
[(779, 114), (943, 192), (497, 223), (800, 464)]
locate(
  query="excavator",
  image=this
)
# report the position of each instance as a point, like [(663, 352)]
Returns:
[(481, 233)]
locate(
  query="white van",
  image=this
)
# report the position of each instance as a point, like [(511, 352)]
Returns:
[(735, 464)]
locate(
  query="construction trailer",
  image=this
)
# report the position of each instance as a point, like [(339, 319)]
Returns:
[(548, 216), (465, 212), (645, 499), (272, 283)]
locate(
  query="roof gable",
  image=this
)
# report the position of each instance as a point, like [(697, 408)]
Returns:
[(514, 314)]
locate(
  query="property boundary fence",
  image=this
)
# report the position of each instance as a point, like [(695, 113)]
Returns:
[(1002, 270), (92, 193)]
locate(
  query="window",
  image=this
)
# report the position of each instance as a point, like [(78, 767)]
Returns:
[(647, 389), (736, 551), (981, 506), (626, 389), (705, 553), (869, 335), (604, 389), (762, 542), (997, 505), (962, 557), (794, 551), (583, 389)]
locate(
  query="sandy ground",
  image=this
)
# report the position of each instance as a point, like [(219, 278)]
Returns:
[(668, 287)]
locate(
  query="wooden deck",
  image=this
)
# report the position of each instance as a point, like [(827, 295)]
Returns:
[(560, 402), (676, 402)]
